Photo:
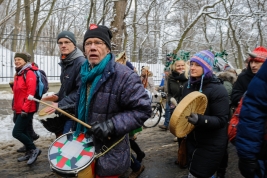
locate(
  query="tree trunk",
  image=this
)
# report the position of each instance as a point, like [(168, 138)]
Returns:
[(134, 51), (17, 27), (117, 25), (90, 14)]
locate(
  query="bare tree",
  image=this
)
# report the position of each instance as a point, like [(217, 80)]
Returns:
[(117, 25), (191, 25), (17, 27)]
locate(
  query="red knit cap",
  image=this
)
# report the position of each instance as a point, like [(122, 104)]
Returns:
[(259, 54)]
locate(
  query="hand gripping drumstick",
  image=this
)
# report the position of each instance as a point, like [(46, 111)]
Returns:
[(30, 97)]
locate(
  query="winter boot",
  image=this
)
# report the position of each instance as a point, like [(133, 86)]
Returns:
[(33, 155), (25, 157), (22, 149)]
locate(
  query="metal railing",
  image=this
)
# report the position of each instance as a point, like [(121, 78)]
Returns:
[(46, 56)]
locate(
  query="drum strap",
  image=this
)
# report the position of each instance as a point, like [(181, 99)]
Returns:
[(105, 149)]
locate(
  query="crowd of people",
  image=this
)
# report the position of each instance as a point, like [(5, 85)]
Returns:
[(107, 93)]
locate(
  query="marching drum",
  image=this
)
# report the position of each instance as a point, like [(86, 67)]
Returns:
[(52, 122), (194, 102), (71, 156)]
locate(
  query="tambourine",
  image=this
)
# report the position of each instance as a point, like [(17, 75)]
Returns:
[(194, 102)]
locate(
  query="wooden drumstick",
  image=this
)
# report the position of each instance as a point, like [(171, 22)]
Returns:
[(30, 97)]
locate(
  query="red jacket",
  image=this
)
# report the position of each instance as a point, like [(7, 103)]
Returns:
[(22, 89)]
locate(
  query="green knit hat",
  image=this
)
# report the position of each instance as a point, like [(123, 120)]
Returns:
[(25, 56)]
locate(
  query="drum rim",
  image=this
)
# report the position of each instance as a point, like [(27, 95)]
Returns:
[(72, 170), (189, 99)]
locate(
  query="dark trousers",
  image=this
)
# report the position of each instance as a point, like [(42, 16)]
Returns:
[(29, 129), (135, 147), (135, 164), (20, 131), (167, 115), (224, 163)]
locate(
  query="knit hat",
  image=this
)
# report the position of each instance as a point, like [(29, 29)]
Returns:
[(146, 67), (67, 34), (25, 56), (205, 59), (259, 54), (99, 31)]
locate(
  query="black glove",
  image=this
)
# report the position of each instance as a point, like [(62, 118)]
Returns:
[(101, 130), (249, 168), (23, 114), (11, 84), (193, 118)]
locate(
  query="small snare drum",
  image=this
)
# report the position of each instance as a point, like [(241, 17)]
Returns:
[(71, 156)]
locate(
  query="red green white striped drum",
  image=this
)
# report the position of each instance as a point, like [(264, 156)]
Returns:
[(71, 156)]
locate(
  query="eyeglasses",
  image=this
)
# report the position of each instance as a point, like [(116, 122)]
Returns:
[(64, 42), (90, 43)]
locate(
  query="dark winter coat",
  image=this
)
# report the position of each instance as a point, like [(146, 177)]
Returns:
[(70, 79), (241, 85), (121, 97), (176, 85), (22, 88), (207, 142), (251, 137), (228, 79)]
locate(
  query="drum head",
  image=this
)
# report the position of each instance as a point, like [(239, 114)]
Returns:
[(42, 112), (194, 102), (71, 153)]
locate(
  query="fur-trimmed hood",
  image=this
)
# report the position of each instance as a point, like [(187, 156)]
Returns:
[(150, 74), (227, 76)]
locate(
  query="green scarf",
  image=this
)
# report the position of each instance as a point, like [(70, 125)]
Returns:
[(93, 76)]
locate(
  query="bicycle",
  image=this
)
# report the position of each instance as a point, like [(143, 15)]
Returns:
[(157, 109)]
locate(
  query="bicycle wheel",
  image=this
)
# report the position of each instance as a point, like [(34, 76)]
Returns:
[(155, 117)]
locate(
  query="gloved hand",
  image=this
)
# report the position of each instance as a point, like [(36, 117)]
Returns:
[(11, 84), (193, 118), (249, 168), (101, 130), (23, 114)]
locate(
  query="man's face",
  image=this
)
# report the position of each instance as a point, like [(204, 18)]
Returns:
[(255, 66), (95, 50), (65, 46)]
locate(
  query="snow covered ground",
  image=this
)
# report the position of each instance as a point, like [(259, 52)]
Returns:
[(6, 122)]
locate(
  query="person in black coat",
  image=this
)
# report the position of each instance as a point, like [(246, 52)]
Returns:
[(206, 143), (71, 60), (255, 61)]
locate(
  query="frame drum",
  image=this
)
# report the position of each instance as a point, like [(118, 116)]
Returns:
[(194, 102)]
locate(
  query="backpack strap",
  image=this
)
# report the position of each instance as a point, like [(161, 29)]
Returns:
[(25, 74)]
